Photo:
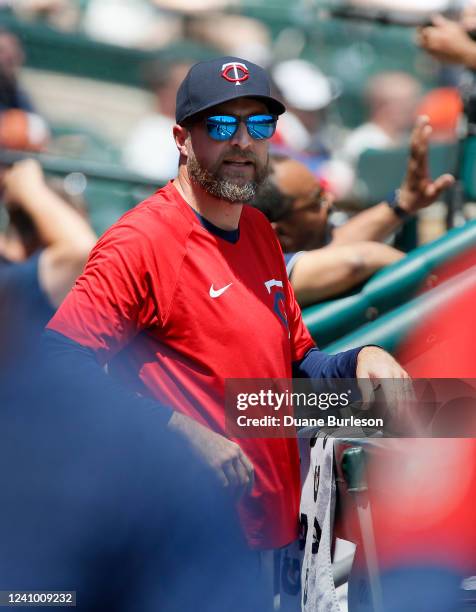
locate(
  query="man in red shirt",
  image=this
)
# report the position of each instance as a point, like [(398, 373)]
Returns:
[(189, 289)]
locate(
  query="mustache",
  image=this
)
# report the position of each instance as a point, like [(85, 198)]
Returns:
[(239, 156)]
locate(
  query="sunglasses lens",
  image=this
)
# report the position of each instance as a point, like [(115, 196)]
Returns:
[(222, 127), (261, 127)]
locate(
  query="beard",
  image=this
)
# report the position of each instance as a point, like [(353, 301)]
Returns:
[(232, 190)]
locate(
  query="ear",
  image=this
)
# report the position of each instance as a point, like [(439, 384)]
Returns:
[(180, 136)]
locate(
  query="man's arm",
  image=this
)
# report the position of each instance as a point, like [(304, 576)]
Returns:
[(372, 366), (77, 367), (67, 238), (326, 272), (417, 191)]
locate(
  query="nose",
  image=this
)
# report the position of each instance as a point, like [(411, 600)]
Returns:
[(242, 139)]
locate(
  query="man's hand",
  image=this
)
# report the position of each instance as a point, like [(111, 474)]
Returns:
[(448, 41), (21, 181), (228, 462), (418, 189), (384, 373)]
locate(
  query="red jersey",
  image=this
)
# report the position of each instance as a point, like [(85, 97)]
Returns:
[(175, 309)]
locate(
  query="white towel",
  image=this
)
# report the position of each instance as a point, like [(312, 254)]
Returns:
[(318, 504), (314, 548)]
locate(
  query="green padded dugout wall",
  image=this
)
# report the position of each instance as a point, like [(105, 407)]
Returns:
[(388, 288), (391, 329)]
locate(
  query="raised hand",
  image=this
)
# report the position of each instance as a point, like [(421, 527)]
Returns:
[(418, 189)]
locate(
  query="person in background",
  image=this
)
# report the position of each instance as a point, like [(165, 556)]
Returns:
[(311, 129), (42, 250), (392, 99), (150, 149), (323, 261), (59, 14), (12, 57), (21, 126), (308, 94)]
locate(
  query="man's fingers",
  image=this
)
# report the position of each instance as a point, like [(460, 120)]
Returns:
[(238, 474), (400, 398), (242, 472), (408, 409), (244, 478), (443, 182), (367, 391), (418, 179), (222, 478), (233, 478), (409, 389), (417, 164), (248, 467), (433, 190), (391, 392)]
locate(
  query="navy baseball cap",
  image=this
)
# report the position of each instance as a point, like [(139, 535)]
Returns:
[(218, 80)]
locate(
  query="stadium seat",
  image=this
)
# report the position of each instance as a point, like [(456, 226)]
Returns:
[(77, 55), (77, 141), (109, 190)]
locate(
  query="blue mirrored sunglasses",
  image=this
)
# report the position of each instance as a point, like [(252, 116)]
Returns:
[(224, 127)]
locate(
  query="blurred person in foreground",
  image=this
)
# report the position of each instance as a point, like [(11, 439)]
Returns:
[(42, 250), (150, 149), (392, 99), (323, 261), (176, 292), (99, 498)]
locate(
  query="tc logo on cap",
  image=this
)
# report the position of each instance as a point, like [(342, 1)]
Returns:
[(235, 72)]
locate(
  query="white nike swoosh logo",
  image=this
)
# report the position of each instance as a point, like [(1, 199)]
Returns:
[(216, 293)]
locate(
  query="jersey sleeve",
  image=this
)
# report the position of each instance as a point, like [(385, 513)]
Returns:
[(116, 296)]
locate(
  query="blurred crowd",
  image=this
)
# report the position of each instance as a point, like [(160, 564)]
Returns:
[(313, 188), (312, 130)]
